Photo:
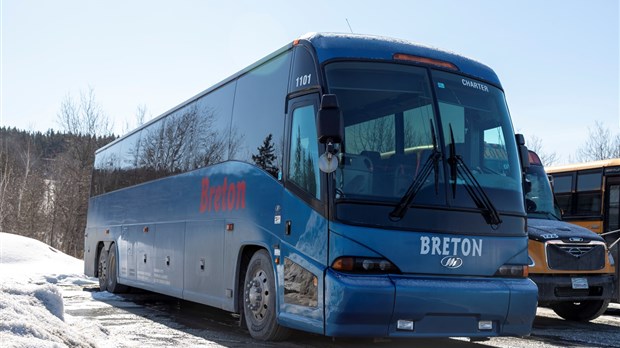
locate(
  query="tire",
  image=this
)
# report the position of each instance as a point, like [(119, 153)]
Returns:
[(112, 285), (102, 269), (259, 300), (581, 311)]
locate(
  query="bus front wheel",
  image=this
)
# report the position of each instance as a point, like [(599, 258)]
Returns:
[(259, 300), (581, 311), (112, 284)]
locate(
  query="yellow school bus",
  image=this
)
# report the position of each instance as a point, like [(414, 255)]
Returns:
[(588, 195)]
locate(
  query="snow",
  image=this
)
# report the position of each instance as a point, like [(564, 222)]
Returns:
[(31, 304)]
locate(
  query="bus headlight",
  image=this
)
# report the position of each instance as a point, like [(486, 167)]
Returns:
[(364, 265), (513, 271)]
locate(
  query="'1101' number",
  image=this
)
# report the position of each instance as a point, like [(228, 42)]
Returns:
[(303, 80)]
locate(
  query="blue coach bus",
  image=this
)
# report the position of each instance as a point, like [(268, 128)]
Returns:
[(344, 185)]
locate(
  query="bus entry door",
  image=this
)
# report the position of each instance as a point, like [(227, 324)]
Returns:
[(303, 224)]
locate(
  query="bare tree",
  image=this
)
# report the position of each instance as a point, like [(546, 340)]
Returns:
[(87, 126), (30, 189), (616, 147), (21, 184), (600, 145), (26, 157), (85, 117), (140, 115), (534, 143), (181, 142), (6, 178), (376, 135), (139, 119)]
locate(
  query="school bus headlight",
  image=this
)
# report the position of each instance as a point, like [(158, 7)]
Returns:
[(513, 271), (364, 265)]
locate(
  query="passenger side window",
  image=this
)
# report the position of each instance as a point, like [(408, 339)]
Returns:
[(304, 151), (589, 193)]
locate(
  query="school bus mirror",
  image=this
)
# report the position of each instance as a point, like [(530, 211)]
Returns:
[(329, 121), (523, 152), (520, 139)]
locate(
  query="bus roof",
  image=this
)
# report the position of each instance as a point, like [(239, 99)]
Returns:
[(331, 46), (612, 162)]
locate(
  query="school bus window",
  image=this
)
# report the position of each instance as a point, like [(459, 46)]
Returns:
[(588, 203), (564, 202), (562, 183), (613, 209), (589, 181)]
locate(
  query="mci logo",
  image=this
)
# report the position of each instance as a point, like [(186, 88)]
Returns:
[(452, 262)]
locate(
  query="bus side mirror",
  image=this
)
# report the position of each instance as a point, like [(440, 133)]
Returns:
[(329, 123), (330, 131), (523, 153)]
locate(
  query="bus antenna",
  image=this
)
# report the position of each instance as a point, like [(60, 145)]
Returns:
[(346, 19)]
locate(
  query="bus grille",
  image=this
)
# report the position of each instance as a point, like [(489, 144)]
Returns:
[(575, 257)]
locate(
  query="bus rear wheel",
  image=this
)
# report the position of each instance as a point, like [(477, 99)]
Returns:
[(259, 300), (581, 311), (102, 269)]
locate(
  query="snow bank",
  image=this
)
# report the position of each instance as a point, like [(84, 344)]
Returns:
[(31, 305)]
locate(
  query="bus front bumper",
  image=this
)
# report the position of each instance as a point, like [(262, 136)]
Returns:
[(557, 288), (408, 306)]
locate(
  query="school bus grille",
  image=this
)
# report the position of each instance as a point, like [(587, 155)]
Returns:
[(575, 257)]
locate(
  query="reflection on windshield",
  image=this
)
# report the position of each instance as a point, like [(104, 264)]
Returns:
[(480, 126), (539, 201), (388, 113)]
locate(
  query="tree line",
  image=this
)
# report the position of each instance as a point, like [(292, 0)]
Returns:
[(45, 177)]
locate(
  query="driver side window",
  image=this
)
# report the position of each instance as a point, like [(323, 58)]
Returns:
[(304, 151)]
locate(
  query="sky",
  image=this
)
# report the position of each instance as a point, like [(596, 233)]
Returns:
[(558, 60)]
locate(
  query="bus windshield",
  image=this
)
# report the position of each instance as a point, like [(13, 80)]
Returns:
[(392, 127), (539, 202)]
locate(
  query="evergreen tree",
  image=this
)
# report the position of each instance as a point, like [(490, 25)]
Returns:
[(266, 156)]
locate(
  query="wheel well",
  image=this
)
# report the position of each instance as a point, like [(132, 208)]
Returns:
[(100, 247)]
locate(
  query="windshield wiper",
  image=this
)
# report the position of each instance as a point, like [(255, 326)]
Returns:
[(473, 187), (431, 164)]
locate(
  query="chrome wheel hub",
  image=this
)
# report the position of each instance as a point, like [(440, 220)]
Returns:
[(257, 295)]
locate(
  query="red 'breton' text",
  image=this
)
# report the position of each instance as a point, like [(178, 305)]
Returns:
[(227, 196)]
